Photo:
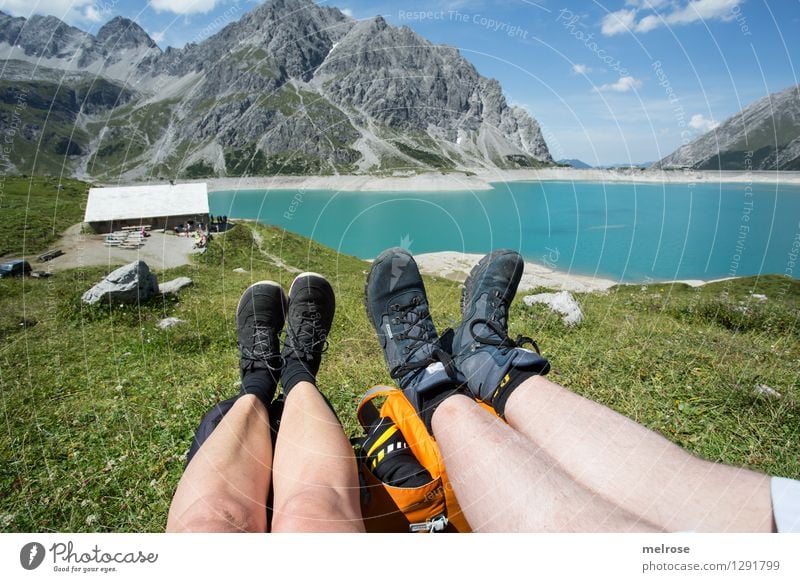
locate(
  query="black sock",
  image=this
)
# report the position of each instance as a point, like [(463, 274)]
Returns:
[(515, 378), (432, 402), (261, 383), (295, 371)]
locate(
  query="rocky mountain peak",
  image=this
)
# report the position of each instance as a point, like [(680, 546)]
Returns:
[(292, 4), (45, 36), (10, 27), (121, 33)]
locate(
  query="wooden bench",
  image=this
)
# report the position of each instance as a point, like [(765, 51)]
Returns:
[(50, 255)]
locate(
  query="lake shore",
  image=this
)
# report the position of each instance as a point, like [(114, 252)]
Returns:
[(456, 266), (488, 179)]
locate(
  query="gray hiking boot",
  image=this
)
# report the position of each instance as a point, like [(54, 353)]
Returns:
[(397, 306), (482, 351)]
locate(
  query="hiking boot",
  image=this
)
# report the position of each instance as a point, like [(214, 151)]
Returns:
[(260, 317), (397, 306), (491, 362), (312, 304)]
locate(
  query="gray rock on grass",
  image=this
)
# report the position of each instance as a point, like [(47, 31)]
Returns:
[(172, 287), (132, 283), (170, 322), (562, 302), (764, 390)]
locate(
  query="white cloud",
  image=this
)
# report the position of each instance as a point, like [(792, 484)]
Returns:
[(158, 35), (91, 11), (71, 11), (92, 14), (679, 13), (646, 3), (648, 23), (184, 6), (347, 12), (623, 85), (704, 10), (579, 69), (618, 22), (700, 123)]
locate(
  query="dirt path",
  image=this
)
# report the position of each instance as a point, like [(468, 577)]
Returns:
[(160, 251), (275, 259)]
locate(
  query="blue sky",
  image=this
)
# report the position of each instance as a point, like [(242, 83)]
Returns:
[(610, 82)]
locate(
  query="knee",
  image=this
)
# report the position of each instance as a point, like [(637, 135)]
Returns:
[(218, 514), (318, 510)]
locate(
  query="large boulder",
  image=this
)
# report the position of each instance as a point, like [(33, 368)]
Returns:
[(133, 283)]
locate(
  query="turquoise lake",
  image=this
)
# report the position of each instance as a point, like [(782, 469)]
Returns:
[(624, 231)]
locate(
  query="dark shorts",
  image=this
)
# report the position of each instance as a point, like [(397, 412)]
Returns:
[(214, 416)]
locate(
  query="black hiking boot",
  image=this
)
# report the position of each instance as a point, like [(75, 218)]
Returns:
[(397, 306), (311, 308), (491, 362), (259, 320)]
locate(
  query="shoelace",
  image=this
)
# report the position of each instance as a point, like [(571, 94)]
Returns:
[(497, 324), (418, 342), (309, 339), (264, 348)]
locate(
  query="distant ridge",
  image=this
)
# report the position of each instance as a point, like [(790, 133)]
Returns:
[(578, 164), (763, 136)]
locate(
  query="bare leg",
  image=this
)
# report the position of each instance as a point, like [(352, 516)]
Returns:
[(636, 468), (224, 487), (316, 479), (506, 483)]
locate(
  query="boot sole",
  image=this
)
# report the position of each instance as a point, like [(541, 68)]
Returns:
[(366, 287), (298, 281), (466, 292), (303, 275), (268, 283)]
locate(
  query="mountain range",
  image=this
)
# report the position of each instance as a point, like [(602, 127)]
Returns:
[(290, 88), (763, 136), (575, 163)]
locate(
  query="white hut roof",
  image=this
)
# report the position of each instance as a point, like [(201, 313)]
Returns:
[(146, 201)]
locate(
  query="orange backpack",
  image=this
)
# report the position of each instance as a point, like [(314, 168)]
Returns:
[(430, 508)]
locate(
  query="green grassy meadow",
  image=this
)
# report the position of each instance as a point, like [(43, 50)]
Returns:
[(36, 211), (99, 406)]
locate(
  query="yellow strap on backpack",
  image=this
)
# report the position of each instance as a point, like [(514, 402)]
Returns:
[(431, 507)]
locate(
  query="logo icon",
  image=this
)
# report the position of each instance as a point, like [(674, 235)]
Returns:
[(31, 555), (399, 263)]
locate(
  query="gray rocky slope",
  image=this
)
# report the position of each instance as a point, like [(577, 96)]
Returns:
[(291, 87), (763, 136)]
